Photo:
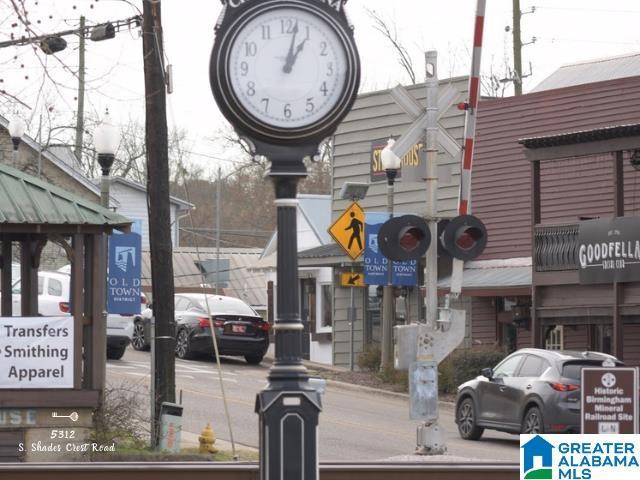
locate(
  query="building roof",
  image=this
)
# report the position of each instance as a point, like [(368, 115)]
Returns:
[(591, 71), (183, 204), (25, 199), (491, 274), (249, 285), (581, 136)]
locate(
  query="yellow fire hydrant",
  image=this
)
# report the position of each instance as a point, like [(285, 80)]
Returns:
[(207, 438)]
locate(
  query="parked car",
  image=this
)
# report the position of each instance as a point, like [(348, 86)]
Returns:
[(239, 330), (530, 391), (53, 294), (119, 326)]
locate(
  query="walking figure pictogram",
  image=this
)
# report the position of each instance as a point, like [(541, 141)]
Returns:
[(356, 227)]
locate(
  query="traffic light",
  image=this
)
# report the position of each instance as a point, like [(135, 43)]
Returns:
[(464, 237), (404, 238), (52, 44)]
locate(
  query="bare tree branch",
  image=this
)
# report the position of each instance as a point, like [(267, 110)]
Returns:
[(391, 34)]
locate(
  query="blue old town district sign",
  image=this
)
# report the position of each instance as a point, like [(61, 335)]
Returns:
[(123, 281), (375, 263)]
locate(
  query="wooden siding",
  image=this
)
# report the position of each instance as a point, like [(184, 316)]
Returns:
[(375, 116), (571, 295), (576, 337), (501, 191), (576, 187), (631, 345), (133, 204), (524, 338), (483, 327)]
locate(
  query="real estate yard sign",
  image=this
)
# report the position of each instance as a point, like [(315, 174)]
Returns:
[(36, 352)]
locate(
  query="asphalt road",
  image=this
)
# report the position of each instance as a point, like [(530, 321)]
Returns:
[(355, 425)]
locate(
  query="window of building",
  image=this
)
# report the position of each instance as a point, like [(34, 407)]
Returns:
[(326, 307), (555, 339)]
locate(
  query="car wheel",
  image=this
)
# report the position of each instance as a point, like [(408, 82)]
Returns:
[(533, 422), (182, 344), (116, 353), (466, 420), (253, 359), (138, 341)]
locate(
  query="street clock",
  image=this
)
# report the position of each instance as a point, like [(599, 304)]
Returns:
[(284, 72)]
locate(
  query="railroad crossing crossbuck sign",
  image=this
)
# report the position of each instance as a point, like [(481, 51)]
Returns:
[(348, 230)]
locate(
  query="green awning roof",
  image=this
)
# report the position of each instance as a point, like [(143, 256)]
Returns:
[(24, 199)]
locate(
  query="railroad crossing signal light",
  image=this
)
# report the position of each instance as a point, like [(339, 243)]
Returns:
[(464, 237), (404, 238)]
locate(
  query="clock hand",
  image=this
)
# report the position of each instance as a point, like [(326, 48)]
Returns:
[(296, 53), (290, 55)]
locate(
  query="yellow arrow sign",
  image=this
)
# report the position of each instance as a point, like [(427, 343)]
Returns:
[(352, 279), (348, 231)]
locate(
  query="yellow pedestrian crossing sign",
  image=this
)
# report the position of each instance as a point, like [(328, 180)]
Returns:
[(348, 230)]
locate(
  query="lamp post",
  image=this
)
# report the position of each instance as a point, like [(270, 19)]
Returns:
[(17, 128), (106, 139), (391, 164)]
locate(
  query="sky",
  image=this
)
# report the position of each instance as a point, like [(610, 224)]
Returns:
[(565, 31)]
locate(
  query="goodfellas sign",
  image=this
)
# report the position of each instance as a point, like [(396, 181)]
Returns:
[(609, 250)]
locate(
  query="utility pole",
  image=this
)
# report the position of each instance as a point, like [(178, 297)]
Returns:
[(159, 208), (80, 111), (431, 143), (218, 206), (517, 49)]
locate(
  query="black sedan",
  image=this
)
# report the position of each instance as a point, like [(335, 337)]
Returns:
[(239, 330), (530, 391)]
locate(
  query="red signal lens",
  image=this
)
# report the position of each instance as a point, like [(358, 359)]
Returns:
[(467, 239), (410, 238), (64, 307)]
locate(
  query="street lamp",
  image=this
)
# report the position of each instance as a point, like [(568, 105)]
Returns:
[(391, 164), (17, 127), (106, 140)]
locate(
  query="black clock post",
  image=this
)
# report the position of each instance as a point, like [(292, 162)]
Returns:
[(309, 108), (288, 407)]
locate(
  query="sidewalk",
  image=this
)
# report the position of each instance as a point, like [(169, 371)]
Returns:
[(315, 366)]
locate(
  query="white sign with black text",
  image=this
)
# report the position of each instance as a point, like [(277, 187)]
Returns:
[(36, 352)]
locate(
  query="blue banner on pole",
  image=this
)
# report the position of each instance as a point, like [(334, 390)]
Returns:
[(375, 263), (123, 281)]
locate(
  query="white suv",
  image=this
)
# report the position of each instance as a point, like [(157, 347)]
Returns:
[(53, 294)]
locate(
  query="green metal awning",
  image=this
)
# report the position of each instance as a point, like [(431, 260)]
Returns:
[(24, 199)]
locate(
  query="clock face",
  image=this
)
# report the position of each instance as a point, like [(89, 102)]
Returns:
[(287, 68)]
